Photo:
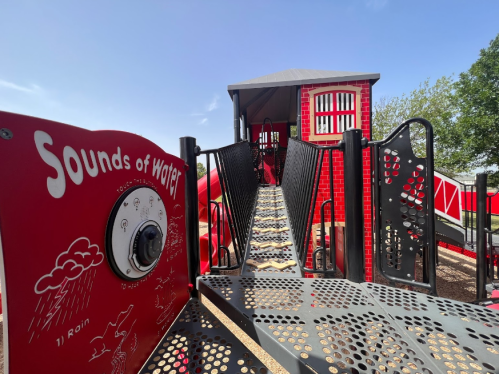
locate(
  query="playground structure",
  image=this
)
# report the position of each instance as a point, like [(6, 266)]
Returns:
[(111, 279)]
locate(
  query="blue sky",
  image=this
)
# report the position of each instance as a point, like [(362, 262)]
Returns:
[(160, 68)]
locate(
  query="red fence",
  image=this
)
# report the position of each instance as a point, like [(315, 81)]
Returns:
[(468, 201)]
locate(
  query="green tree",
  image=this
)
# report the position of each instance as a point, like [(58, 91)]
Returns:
[(477, 95), (435, 103), (201, 170)]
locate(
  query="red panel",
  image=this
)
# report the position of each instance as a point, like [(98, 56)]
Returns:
[(448, 198), (469, 202), (66, 310), (340, 248)]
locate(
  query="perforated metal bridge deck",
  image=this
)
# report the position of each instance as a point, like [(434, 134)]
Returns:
[(198, 343), (270, 238), (336, 326)]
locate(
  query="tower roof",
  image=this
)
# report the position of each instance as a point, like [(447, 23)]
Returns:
[(294, 77)]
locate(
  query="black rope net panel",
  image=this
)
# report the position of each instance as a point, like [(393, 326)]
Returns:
[(404, 206), (236, 172)]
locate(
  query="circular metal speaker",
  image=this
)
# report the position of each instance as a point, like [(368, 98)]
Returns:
[(136, 233)]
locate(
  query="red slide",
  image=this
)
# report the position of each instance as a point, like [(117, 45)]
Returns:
[(215, 192)]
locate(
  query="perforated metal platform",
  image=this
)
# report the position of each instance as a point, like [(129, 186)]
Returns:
[(270, 226), (336, 326), (198, 343)]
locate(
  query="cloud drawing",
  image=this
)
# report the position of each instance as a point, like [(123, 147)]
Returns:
[(79, 257)]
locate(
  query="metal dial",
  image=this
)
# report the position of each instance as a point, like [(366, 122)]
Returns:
[(136, 233)]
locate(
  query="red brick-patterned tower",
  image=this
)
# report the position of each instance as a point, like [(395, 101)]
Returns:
[(322, 124), (322, 104)]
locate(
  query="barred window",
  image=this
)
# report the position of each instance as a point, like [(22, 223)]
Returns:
[(334, 112), (266, 141)]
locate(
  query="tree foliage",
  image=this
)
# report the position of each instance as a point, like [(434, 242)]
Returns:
[(436, 104), (201, 170), (477, 95)]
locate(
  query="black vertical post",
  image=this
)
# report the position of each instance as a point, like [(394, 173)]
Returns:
[(188, 153), (371, 176), (237, 127), (481, 250), (430, 190), (245, 126), (354, 209), (298, 111)]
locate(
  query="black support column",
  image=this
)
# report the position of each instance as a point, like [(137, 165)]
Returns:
[(237, 127), (481, 242), (354, 206), (245, 126), (298, 111), (188, 153)]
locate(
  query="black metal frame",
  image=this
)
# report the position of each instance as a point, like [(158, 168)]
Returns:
[(188, 152), (429, 245)]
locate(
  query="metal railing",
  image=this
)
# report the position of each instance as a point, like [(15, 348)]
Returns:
[(300, 187), (238, 197), (469, 209)]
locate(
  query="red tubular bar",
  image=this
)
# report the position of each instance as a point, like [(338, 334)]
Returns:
[(215, 192)]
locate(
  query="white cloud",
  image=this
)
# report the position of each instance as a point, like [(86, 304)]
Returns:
[(204, 121), (213, 104), (30, 90), (376, 4)]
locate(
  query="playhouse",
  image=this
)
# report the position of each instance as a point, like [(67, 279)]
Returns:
[(320, 105)]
